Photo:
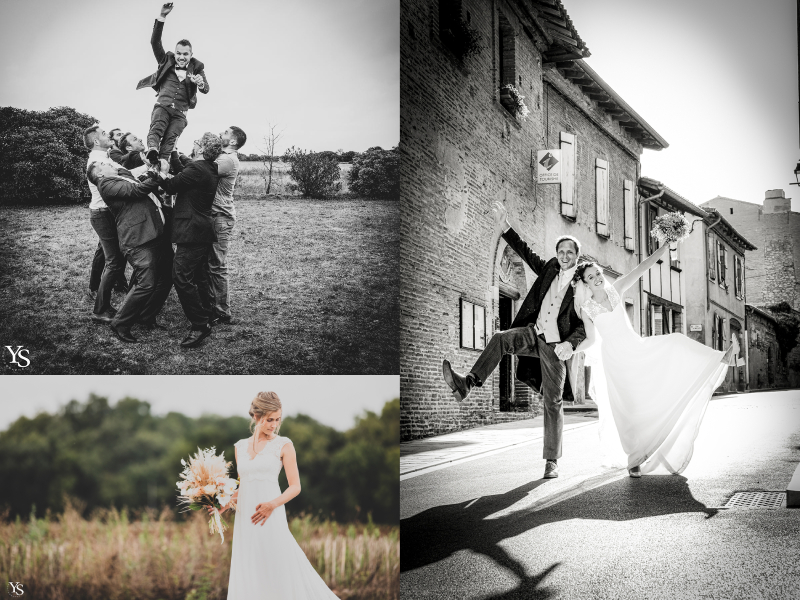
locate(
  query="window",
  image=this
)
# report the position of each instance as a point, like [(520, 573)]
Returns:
[(722, 259), (473, 325), (738, 276), (567, 174), (449, 18), (506, 59), (657, 319), (652, 243), (630, 214), (718, 333), (677, 321), (712, 261), (601, 196)]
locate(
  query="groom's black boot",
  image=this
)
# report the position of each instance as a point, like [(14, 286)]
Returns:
[(460, 384)]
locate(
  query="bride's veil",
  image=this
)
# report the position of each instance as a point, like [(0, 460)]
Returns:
[(611, 452)]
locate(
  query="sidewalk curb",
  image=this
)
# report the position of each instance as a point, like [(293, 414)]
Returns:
[(485, 452)]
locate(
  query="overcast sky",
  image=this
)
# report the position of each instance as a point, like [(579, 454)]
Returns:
[(334, 400), (326, 71), (716, 78)]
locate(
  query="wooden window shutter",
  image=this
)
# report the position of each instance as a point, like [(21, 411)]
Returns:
[(601, 194), (568, 175), (712, 262), (630, 214), (724, 265)]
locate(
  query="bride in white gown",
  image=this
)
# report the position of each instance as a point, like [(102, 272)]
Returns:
[(651, 392), (266, 560)]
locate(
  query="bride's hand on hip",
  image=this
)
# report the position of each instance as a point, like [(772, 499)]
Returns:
[(263, 511)]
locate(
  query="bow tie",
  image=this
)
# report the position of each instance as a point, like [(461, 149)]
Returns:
[(177, 68)]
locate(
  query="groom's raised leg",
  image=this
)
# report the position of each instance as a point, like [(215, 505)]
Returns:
[(519, 340), (554, 374)]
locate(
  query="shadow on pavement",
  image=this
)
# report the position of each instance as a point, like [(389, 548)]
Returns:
[(437, 533), (412, 448)]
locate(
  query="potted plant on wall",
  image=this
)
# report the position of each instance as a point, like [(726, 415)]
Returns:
[(514, 101)]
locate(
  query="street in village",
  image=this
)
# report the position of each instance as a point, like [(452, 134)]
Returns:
[(479, 522)]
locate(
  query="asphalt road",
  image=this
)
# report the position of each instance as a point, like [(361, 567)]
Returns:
[(491, 528)]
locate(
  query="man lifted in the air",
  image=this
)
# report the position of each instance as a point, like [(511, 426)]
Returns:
[(176, 82)]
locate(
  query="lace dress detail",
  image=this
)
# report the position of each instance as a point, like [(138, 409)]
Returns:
[(593, 308), (266, 561)]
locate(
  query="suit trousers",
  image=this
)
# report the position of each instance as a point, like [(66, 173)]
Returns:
[(218, 264), (163, 281), (166, 126), (98, 264), (523, 341), (144, 260), (190, 277), (106, 227)]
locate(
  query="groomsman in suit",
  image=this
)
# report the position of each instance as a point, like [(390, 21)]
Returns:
[(193, 233), (112, 267), (131, 149), (140, 223), (176, 81)]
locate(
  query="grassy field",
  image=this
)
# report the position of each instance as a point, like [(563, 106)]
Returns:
[(155, 558), (250, 182), (314, 285)]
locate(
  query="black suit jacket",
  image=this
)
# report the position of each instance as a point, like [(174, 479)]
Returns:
[(166, 61), (570, 326), (135, 213), (195, 185)]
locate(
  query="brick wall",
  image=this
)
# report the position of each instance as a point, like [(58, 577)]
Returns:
[(461, 151)]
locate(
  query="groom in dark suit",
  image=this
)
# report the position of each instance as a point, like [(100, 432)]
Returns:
[(176, 81), (140, 223), (544, 334)]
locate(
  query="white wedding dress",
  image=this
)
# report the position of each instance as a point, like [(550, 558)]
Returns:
[(651, 392), (267, 561)]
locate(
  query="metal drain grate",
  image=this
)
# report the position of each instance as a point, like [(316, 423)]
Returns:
[(757, 500)]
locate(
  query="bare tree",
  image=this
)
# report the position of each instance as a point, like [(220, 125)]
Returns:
[(270, 141)]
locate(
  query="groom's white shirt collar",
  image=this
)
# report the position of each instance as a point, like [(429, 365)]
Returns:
[(564, 277)]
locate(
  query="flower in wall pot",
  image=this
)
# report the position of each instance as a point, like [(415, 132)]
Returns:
[(514, 101)]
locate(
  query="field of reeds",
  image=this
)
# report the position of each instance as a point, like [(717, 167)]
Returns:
[(154, 557), (251, 180)]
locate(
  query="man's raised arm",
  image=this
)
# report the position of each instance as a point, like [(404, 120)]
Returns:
[(158, 28)]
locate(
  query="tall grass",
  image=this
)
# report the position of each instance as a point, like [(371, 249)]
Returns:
[(111, 557), (250, 182)]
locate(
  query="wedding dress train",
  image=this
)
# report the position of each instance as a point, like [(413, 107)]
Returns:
[(651, 392), (267, 562)]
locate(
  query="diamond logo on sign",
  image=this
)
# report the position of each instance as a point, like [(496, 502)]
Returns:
[(548, 161), (548, 166)]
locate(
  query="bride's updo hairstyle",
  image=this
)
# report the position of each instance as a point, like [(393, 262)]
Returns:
[(262, 405), (581, 269)]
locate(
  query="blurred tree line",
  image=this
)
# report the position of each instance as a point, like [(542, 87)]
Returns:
[(123, 455)]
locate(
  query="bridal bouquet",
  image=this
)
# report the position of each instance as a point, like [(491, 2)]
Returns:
[(670, 228), (205, 482)]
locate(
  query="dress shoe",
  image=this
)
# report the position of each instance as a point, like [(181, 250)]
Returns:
[(550, 469), (154, 324), (123, 333), (103, 317), (152, 156), (223, 320), (196, 336), (459, 384), (635, 472)]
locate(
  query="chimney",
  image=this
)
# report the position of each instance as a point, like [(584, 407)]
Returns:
[(775, 201)]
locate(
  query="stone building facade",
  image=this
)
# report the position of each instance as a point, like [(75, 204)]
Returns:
[(764, 367), (773, 271), (464, 147), (715, 266)]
